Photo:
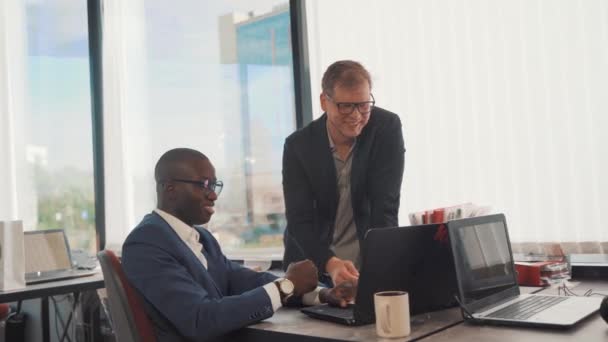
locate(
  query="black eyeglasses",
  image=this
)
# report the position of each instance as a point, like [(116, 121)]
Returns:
[(209, 185), (347, 108)]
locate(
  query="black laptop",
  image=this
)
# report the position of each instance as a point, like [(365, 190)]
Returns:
[(48, 257), (487, 280), (415, 259)]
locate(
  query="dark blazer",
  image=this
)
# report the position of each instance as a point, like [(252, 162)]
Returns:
[(185, 301), (311, 192)]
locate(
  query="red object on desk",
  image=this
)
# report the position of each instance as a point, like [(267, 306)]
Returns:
[(531, 273), (437, 216)]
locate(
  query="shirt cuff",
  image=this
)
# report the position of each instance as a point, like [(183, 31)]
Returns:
[(275, 296), (312, 297)]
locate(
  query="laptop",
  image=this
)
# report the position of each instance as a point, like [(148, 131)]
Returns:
[(48, 257), (415, 259), (487, 281)]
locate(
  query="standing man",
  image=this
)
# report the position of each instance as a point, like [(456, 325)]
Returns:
[(191, 291), (341, 175)]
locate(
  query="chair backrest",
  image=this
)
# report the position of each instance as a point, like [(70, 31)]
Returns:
[(4, 311), (130, 322)]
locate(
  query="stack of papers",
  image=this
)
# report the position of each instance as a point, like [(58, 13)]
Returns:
[(554, 273), (441, 215)]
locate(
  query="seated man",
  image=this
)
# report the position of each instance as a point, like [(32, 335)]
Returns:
[(191, 290)]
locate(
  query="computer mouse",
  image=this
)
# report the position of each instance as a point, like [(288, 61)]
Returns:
[(604, 309)]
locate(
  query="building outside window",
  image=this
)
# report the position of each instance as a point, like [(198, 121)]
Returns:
[(213, 76)]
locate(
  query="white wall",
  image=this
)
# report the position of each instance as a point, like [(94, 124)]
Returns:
[(503, 102)]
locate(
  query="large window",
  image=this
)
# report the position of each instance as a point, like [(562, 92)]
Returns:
[(49, 116), (209, 75)]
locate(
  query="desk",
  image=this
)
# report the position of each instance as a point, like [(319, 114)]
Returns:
[(290, 324), (442, 326), (46, 290), (592, 329)]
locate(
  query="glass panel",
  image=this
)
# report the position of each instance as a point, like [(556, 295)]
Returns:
[(218, 80), (58, 144)]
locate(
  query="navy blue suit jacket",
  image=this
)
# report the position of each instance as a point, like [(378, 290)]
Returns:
[(185, 301)]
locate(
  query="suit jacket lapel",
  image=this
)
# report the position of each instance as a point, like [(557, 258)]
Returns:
[(327, 168), (355, 172)]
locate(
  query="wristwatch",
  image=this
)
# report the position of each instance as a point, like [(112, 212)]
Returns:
[(285, 287)]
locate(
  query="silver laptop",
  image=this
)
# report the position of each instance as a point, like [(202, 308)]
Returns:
[(48, 257), (487, 281)]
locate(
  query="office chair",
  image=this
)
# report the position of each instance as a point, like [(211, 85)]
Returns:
[(130, 322), (4, 311)]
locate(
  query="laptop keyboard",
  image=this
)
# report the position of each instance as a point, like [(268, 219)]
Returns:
[(527, 308)]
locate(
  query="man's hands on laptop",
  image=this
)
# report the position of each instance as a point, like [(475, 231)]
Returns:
[(340, 295), (303, 275), (341, 271)]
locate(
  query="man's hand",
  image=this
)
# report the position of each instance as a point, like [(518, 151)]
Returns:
[(340, 295), (304, 276), (341, 270)]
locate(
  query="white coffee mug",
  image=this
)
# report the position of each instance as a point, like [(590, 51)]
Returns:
[(392, 314)]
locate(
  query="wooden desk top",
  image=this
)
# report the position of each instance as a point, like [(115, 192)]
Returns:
[(591, 330), (294, 323), (440, 326)]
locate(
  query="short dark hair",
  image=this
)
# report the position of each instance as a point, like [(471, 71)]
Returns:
[(345, 73), (172, 162)]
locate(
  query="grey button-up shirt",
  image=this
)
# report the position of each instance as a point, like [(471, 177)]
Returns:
[(345, 241)]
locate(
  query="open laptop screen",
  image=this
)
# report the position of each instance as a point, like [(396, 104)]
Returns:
[(483, 258), (46, 251)]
